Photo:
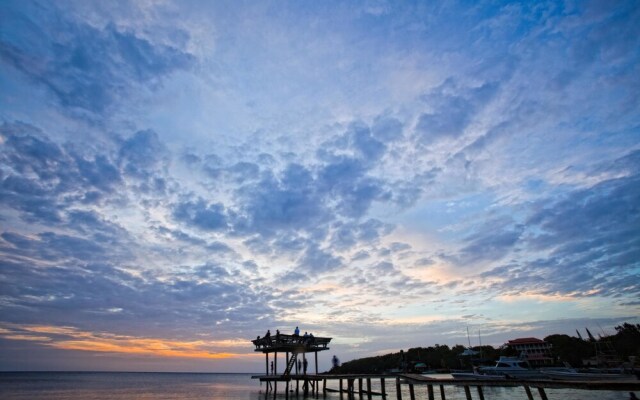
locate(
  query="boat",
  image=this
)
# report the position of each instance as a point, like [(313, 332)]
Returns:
[(512, 367), (588, 376)]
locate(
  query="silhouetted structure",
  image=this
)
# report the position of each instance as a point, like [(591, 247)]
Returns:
[(292, 346)]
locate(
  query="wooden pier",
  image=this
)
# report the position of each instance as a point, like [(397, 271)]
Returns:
[(352, 385), (412, 380), (361, 384)]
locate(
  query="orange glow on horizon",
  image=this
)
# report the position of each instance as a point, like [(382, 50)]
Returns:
[(104, 342)]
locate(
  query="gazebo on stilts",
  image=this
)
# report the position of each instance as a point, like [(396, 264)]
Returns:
[(294, 347)]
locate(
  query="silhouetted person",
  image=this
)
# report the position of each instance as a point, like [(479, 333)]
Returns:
[(271, 367), (304, 366), (299, 365), (296, 332), (335, 362), (632, 396)]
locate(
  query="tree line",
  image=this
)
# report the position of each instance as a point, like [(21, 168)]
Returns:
[(625, 343)]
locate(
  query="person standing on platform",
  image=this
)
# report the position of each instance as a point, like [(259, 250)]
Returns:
[(304, 366), (296, 332), (271, 367)]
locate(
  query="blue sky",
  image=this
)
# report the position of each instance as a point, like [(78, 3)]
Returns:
[(177, 177)]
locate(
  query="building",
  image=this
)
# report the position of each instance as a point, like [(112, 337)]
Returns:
[(537, 352)]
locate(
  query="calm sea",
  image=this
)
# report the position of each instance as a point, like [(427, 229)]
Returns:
[(185, 386)]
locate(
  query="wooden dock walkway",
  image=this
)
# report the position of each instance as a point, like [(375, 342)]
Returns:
[(360, 385)]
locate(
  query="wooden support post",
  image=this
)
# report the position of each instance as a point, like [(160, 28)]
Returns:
[(297, 373), (360, 386), (383, 389), (528, 391), (275, 388), (340, 385), (369, 388), (480, 392), (543, 395), (442, 396), (286, 391), (316, 363), (275, 363), (430, 392), (467, 392), (398, 392), (267, 361), (412, 395)]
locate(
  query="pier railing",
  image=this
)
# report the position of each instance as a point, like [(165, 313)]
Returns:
[(291, 343), (352, 385)]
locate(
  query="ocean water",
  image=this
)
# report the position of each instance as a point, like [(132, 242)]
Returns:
[(186, 386)]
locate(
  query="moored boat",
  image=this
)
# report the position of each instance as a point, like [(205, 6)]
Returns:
[(512, 367)]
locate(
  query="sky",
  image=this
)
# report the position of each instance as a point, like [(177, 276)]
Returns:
[(177, 177)]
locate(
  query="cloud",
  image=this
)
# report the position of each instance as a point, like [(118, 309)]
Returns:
[(38, 173), (208, 217), (83, 66), (45, 180), (496, 240), (287, 201), (77, 281), (316, 260), (142, 154), (453, 108), (589, 237)]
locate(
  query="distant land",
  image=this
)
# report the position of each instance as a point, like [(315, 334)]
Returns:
[(624, 346)]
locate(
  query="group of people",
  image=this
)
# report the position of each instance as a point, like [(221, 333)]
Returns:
[(305, 339)]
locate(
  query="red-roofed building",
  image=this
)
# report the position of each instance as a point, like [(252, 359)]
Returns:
[(536, 351)]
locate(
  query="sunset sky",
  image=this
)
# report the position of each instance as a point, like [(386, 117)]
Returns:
[(177, 177)]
